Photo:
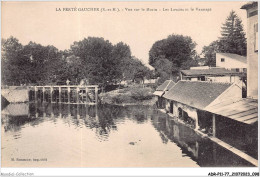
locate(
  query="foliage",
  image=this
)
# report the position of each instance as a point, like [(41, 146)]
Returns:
[(180, 52), (92, 58), (131, 94), (32, 63), (11, 49), (210, 53), (122, 98), (134, 69), (232, 40), (232, 35), (141, 93)]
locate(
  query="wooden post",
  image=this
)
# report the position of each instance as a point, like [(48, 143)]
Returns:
[(60, 115), (69, 113), (52, 114), (44, 111), (35, 93), (87, 116), (59, 94), (78, 115), (197, 122), (197, 150), (86, 95), (77, 94), (43, 91), (96, 95), (214, 125), (51, 93), (68, 94), (96, 112), (36, 110)]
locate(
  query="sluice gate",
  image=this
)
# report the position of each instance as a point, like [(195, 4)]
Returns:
[(64, 94)]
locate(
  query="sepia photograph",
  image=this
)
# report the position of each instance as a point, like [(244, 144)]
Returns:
[(98, 84)]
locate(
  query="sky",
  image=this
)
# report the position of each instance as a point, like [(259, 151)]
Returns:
[(58, 24)]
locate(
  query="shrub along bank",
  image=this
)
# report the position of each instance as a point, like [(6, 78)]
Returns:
[(129, 95)]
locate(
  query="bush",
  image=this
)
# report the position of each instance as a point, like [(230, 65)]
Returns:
[(122, 99), (141, 93)]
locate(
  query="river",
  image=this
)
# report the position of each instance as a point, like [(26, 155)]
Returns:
[(70, 135)]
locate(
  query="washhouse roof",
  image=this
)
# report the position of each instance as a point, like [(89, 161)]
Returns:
[(166, 85), (210, 71), (244, 110), (197, 94)]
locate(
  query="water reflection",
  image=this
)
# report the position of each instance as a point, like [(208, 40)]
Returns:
[(103, 119), (202, 150), (105, 135)]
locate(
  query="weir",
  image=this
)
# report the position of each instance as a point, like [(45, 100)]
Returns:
[(77, 94)]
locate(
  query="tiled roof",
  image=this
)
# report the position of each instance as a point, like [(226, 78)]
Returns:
[(197, 94), (158, 93), (235, 57), (244, 110), (166, 85), (210, 71)]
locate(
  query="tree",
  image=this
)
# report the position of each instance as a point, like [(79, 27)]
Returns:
[(11, 49), (29, 64), (43, 63), (93, 58), (134, 69), (232, 38), (121, 55), (101, 62), (178, 49), (209, 53), (163, 69)]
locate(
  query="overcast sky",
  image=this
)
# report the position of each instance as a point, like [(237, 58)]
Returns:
[(42, 23)]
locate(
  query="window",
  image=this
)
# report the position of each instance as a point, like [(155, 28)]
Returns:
[(237, 69), (222, 59), (256, 37)]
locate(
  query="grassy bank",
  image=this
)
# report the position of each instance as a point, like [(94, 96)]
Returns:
[(130, 95)]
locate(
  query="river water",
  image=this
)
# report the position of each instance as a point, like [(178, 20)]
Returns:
[(70, 135)]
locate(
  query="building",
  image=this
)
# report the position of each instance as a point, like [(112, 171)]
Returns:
[(231, 61), (252, 48), (150, 81), (212, 74), (236, 123), (188, 99), (161, 90)]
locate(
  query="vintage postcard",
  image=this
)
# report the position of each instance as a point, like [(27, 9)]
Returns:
[(129, 84)]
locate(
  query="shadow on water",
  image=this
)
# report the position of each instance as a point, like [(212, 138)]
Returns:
[(104, 119), (202, 150), (4, 102)]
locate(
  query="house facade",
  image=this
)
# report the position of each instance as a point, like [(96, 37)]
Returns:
[(231, 61), (252, 48)]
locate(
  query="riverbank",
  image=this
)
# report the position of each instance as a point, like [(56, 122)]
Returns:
[(132, 95)]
